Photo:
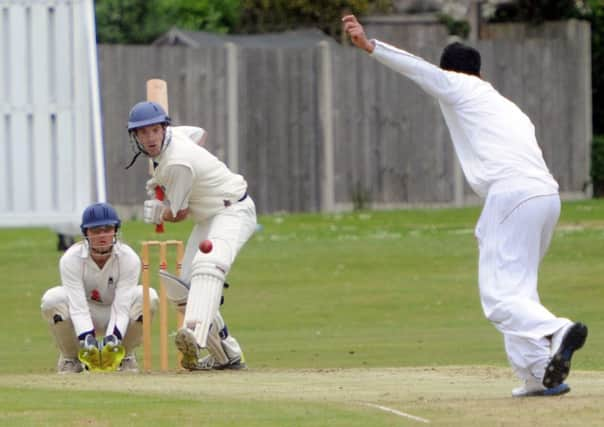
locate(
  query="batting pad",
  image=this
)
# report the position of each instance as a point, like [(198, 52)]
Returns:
[(202, 305), (215, 346), (176, 289)]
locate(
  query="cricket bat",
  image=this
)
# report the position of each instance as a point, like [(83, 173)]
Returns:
[(157, 91)]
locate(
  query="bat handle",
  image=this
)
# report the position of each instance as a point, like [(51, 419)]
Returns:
[(159, 195)]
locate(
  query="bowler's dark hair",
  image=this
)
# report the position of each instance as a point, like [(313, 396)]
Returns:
[(461, 58)]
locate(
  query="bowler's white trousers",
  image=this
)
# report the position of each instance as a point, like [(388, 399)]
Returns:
[(514, 232)]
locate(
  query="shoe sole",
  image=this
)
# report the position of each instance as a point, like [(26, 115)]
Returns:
[(235, 366), (559, 366), (187, 345), (554, 391)]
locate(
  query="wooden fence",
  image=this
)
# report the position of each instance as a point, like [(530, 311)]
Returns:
[(319, 126)]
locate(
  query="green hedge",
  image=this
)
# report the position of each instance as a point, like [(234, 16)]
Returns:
[(597, 165)]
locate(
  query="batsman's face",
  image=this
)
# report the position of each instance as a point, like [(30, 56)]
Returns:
[(151, 138), (101, 238)]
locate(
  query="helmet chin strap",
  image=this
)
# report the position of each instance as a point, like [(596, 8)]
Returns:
[(95, 251), (133, 160), (165, 142), (100, 252)]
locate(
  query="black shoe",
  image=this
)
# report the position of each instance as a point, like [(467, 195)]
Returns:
[(559, 366)]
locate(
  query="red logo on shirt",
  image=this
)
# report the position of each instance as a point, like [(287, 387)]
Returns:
[(95, 295)]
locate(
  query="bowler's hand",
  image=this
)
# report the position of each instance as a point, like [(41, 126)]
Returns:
[(355, 30)]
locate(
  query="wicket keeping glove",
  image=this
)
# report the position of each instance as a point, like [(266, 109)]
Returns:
[(111, 341), (90, 354), (89, 343), (112, 353)]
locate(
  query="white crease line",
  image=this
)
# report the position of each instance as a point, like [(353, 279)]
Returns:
[(399, 413)]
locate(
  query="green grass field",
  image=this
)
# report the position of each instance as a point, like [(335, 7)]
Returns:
[(336, 314)]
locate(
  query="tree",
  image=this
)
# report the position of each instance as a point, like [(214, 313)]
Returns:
[(538, 11), (259, 16), (596, 18), (142, 21), (127, 21), (218, 16)]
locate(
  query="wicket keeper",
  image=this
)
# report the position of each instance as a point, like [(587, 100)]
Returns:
[(99, 294)]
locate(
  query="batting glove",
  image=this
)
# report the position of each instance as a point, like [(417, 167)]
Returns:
[(150, 187), (153, 211)]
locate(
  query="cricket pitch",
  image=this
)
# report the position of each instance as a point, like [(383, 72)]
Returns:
[(448, 396)]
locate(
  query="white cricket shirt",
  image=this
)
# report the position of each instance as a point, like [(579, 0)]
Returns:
[(86, 284), (194, 178), (494, 140)]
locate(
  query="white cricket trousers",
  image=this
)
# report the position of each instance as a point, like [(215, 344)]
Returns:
[(232, 227), (56, 301), (514, 232)]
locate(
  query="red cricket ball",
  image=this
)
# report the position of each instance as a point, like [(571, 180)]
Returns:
[(205, 246)]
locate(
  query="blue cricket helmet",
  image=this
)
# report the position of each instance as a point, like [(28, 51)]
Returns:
[(147, 113), (99, 214)]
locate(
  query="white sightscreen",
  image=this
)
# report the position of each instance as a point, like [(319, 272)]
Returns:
[(51, 161)]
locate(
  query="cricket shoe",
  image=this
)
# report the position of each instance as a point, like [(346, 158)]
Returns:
[(129, 364), (534, 388), (187, 344), (68, 365), (236, 363), (559, 366)]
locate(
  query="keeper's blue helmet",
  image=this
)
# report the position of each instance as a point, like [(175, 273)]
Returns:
[(145, 114), (99, 214)]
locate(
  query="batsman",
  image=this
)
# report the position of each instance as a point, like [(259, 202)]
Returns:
[(199, 186), (99, 293)]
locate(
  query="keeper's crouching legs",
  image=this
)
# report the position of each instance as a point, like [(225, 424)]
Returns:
[(134, 332), (55, 312)]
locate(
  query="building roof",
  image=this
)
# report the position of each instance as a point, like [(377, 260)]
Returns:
[(297, 38)]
